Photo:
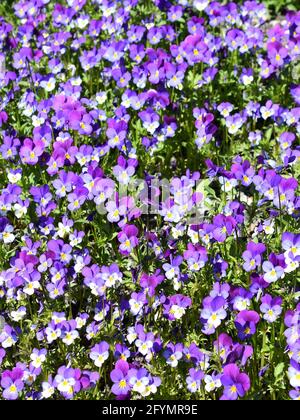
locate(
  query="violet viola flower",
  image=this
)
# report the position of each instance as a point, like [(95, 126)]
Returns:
[(236, 384), (223, 345), (11, 382), (69, 332), (269, 110), (77, 198), (225, 109), (138, 380), (294, 374), (99, 353), (31, 151), (271, 308), (235, 39), (48, 388), (67, 381), (212, 382), (93, 279), (286, 140), (220, 289), (155, 35), (173, 354), (52, 332), (220, 267), (145, 341), (192, 354), (119, 377), (239, 353), (213, 313), (196, 257), (240, 299), (103, 190), (175, 306), (243, 172), (56, 289), (156, 74), (175, 13), (277, 53), (150, 120), (246, 77), (116, 210), (295, 394), (252, 256), (285, 195), (291, 320), (125, 170), (150, 282), (194, 380), (267, 69), (89, 379), (38, 357), (128, 239), (291, 246), (9, 147), (295, 92), (136, 303), (223, 226), (173, 270), (121, 352), (274, 269), (116, 133), (234, 123), (8, 337), (111, 275), (245, 323)]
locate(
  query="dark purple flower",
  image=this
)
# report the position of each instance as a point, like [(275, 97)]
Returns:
[(245, 323)]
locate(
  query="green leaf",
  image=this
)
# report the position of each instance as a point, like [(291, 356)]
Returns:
[(279, 369)]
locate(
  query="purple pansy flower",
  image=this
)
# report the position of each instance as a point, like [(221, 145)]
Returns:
[(213, 313), (11, 382), (236, 384), (128, 239), (175, 306), (194, 380), (252, 256), (173, 354), (99, 353), (245, 323), (271, 308), (119, 377), (31, 151), (273, 269)]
